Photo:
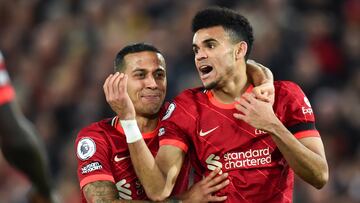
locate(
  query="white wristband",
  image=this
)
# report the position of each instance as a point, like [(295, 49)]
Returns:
[(131, 130)]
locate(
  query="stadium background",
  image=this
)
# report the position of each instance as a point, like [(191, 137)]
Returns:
[(58, 54)]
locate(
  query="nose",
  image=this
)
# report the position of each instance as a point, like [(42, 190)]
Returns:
[(200, 55), (151, 83)]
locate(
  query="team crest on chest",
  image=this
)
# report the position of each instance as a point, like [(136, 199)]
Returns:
[(86, 148)]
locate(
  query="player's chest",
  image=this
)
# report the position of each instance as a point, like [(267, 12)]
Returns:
[(220, 138), (220, 130), (120, 158), (126, 181)]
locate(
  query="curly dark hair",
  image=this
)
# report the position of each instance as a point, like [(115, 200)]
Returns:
[(236, 25), (129, 49)]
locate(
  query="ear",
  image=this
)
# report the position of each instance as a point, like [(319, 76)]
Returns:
[(240, 50)]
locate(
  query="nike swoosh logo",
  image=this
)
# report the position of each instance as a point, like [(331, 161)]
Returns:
[(207, 132), (117, 159)]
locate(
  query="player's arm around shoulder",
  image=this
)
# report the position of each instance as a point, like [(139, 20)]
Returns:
[(262, 79)]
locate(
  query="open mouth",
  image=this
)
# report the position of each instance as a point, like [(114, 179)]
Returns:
[(205, 69)]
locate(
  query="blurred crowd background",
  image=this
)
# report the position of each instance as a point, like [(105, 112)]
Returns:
[(59, 52)]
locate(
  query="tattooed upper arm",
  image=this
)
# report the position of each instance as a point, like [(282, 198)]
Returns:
[(100, 191)]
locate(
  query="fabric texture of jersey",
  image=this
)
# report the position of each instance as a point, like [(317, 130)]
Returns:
[(102, 154), (212, 137), (7, 92)]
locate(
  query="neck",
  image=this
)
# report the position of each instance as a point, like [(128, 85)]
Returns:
[(235, 86), (146, 124)]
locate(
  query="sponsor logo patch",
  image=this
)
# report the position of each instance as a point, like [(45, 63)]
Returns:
[(213, 162), (86, 148), (169, 111), (308, 109), (91, 167), (247, 159), (251, 158)]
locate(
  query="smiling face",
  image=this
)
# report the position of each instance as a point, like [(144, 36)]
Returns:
[(147, 81), (214, 56)]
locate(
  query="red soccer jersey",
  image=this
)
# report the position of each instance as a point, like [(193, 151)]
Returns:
[(103, 154), (7, 92), (206, 129)]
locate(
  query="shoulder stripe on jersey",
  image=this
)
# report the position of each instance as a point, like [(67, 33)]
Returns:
[(307, 133), (302, 127), (97, 177), (175, 143)]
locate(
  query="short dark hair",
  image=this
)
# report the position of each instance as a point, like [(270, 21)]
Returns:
[(233, 23), (129, 49)]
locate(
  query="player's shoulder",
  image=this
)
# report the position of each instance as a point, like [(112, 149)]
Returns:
[(98, 128), (285, 84), (186, 103), (190, 95), (287, 87)]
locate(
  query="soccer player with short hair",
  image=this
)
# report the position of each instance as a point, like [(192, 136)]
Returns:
[(20, 143), (224, 125), (104, 166), (106, 173)]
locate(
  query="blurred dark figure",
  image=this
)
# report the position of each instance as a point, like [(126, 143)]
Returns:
[(20, 143)]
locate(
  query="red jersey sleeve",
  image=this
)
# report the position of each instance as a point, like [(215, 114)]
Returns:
[(93, 156), (178, 122), (297, 112), (7, 92)]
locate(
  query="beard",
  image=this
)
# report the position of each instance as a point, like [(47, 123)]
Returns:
[(212, 85)]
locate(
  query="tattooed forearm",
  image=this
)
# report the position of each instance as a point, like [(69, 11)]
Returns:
[(106, 192), (101, 192)]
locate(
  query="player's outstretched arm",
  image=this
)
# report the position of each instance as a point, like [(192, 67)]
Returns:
[(262, 79), (23, 149), (305, 156)]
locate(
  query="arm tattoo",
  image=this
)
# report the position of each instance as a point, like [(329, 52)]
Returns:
[(100, 192), (106, 192)]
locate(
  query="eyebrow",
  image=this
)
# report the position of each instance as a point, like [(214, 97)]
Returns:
[(137, 69), (205, 41)]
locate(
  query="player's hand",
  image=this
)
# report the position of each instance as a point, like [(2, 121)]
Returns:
[(265, 92), (264, 89), (203, 190), (115, 89), (255, 112)]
